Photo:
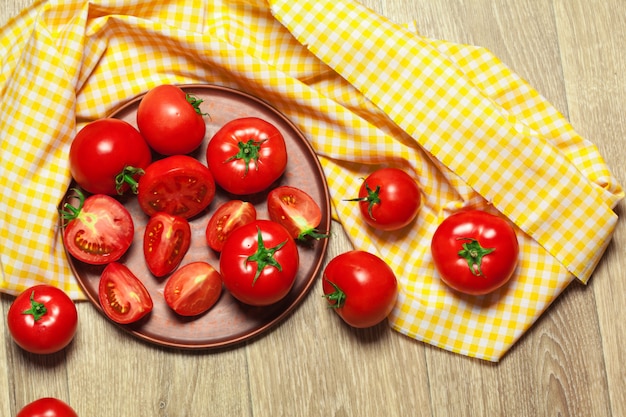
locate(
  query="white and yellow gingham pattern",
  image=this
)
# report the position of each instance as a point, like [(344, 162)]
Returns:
[(365, 91)]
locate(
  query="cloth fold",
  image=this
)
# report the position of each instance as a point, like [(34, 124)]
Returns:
[(365, 91)]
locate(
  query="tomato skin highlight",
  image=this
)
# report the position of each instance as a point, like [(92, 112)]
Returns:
[(389, 199), (368, 285), (228, 217), (178, 185), (47, 407), (478, 229), (53, 330), (102, 150), (169, 121), (242, 277), (296, 211), (247, 155), (193, 289), (98, 232), (166, 240), (123, 297)]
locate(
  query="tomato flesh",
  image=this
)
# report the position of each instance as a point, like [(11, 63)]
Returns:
[(228, 217), (123, 297), (166, 240), (295, 210), (193, 289)]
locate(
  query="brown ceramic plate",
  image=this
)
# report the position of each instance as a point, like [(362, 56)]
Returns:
[(229, 321)]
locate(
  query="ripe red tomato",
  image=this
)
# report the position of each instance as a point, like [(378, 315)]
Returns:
[(171, 120), (475, 252), (42, 319), (178, 185), (360, 287), (107, 156), (389, 199), (166, 240), (228, 217), (193, 289), (47, 407), (247, 155), (259, 263), (122, 295), (296, 211), (100, 230)]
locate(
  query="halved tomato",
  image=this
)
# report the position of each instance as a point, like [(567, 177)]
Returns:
[(228, 217), (193, 289), (100, 230), (296, 211), (166, 240), (122, 295), (178, 184)]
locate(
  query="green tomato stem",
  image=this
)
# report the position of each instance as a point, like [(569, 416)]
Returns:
[(127, 176), (473, 253), (372, 198), (69, 212), (248, 151), (37, 309), (264, 256), (338, 296)]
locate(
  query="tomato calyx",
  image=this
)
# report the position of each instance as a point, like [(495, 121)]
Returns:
[(248, 151), (336, 298), (473, 253), (372, 198), (69, 212), (264, 256), (127, 176), (37, 309), (195, 103)]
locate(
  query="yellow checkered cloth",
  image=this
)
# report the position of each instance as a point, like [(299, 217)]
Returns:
[(365, 91)]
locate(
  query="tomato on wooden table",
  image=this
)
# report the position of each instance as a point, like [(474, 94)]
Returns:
[(100, 230), (123, 297), (166, 240), (389, 199), (42, 319), (178, 185), (247, 155), (229, 216), (193, 289), (360, 287), (170, 120), (475, 252), (259, 263), (47, 407), (107, 156), (295, 210)]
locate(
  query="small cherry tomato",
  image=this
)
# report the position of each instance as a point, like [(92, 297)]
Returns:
[(259, 263), (107, 156), (247, 155), (171, 120), (178, 185), (389, 199), (475, 252), (228, 217), (166, 240), (42, 319), (295, 210), (361, 288), (47, 407), (193, 289), (100, 230), (122, 295)]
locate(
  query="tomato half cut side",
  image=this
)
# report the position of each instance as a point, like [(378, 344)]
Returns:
[(166, 240), (122, 295), (193, 289), (178, 185), (228, 217), (296, 211)]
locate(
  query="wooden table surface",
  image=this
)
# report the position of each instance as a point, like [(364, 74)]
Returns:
[(571, 363)]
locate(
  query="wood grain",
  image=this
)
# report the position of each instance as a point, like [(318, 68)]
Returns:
[(570, 363)]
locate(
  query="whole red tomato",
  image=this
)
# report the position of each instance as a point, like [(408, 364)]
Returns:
[(107, 156), (360, 287), (259, 263), (171, 120), (100, 230), (389, 199), (228, 217), (295, 210), (47, 407), (247, 155), (475, 252), (43, 319), (193, 289), (178, 185), (166, 240), (123, 297)]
